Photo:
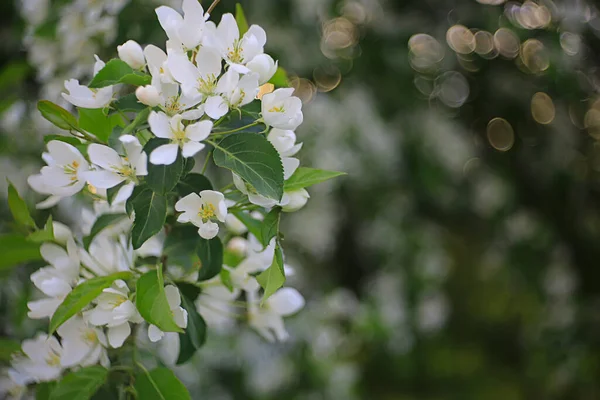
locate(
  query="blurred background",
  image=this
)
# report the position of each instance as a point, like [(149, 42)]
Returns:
[(459, 257)]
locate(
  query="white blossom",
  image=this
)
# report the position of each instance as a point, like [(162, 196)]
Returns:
[(254, 197), (113, 168), (234, 92), (84, 97), (149, 95), (264, 66), (282, 110), (40, 362), (186, 31), (132, 53), (296, 200), (268, 319), (202, 211), (115, 310), (236, 51), (187, 138), (82, 344)]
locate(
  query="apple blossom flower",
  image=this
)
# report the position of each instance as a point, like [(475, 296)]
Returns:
[(234, 91), (41, 360), (179, 314), (268, 319), (202, 211), (297, 200), (65, 173), (113, 168), (116, 311), (200, 80), (148, 95), (84, 97), (107, 255), (82, 344), (264, 66), (282, 110), (186, 31), (236, 51), (56, 280), (186, 138), (131, 52), (215, 304)]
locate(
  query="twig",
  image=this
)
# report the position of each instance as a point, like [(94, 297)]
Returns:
[(212, 6)]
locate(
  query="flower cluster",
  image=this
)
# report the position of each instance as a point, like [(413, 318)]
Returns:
[(164, 251)]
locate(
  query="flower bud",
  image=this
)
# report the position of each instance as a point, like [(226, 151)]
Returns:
[(148, 95), (264, 66), (297, 200), (238, 246), (131, 52)]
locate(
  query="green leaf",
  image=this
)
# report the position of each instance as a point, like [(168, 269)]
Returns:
[(272, 278), (188, 290), (129, 103), (225, 276), (151, 301), (195, 332), (140, 118), (180, 247), (188, 165), (255, 160), (103, 222), (254, 226), (112, 192), (8, 348), (280, 79), (160, 384), (210, 253), (17, 249), (193, 183), (18, 207), (150, 214), (80, 385), (94, 121), (43, 390), (81, 296), (163, 178), (113, 72), (57, 115), (136, 79), (240, 18), (43, 235), (305, 177), (67, 139), (270, 226)]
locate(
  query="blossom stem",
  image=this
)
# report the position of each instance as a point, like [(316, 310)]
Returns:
[(206, 162), (237, 129), (85, 136), (212, 6)]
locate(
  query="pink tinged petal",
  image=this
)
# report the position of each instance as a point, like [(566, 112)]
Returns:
[(155, 334), (216, 107), (208, 230), (159, 125), (118, 334), (191, 148), (198, 131), (286, 301), (173, 297), (124, 193), (164, 155), (103, 179)]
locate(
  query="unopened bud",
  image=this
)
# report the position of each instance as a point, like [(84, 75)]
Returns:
[(132, 53), (148, 95)]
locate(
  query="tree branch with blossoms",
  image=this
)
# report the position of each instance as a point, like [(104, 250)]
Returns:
[(166, 253)]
